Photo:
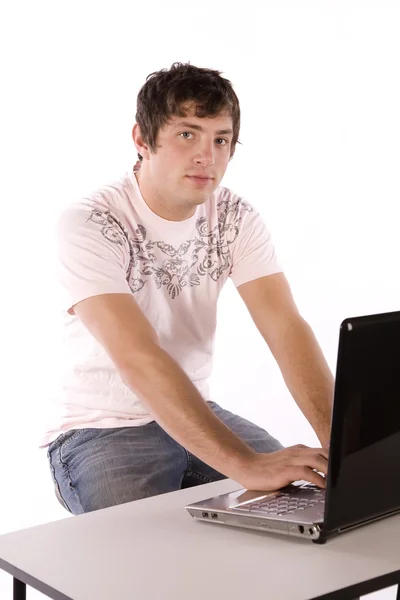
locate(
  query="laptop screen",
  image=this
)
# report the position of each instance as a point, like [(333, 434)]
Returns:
[(364, 463)]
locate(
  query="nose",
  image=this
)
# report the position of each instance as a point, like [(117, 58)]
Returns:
[(205, 156)]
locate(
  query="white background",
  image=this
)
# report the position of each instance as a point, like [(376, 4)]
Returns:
[(318, 83)]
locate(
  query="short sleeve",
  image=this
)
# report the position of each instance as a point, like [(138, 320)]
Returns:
[(93, 255), (253, 253)]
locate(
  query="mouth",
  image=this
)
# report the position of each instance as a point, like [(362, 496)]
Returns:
[(199, 180)]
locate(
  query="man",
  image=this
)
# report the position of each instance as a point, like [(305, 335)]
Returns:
[(142, 262)]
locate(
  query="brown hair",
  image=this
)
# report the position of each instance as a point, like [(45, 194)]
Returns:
[(169, 92)]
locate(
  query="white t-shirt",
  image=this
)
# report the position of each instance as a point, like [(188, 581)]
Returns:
[(112, 242)]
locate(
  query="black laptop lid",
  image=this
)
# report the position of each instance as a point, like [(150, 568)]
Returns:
[(364, 463)]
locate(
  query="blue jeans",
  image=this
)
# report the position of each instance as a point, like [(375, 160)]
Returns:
[(97, 468)]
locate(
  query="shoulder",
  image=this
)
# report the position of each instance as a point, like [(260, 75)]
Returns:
[(99, 210), (234, 213), (230, 204)]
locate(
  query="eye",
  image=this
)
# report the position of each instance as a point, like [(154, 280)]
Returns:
[(222, 141), (185, 134)]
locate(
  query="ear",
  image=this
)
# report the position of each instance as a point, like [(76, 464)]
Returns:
[(141, 147)]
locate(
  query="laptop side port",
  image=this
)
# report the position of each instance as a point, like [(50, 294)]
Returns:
[(204, 515), (301, 529), (214, 516)]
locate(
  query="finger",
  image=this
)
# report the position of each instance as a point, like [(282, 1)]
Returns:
[(324, 451), (313, 461), (309, 475), (300, 449), (320, 452)]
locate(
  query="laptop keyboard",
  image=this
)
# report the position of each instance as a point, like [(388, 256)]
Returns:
[(285, 503)]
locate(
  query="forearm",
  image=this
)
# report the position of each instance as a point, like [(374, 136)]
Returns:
[(179, 408), (307, 375)]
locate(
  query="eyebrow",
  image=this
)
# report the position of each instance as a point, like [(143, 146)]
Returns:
[(199, 128)]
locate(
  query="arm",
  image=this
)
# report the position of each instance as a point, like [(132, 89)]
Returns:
[(118, 324), (295, 348)]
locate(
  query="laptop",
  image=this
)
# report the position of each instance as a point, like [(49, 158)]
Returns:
[(363, 480)]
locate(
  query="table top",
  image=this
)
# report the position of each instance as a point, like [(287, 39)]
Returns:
[(152, 549)]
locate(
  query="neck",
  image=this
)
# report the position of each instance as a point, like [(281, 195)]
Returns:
[(157, 202)]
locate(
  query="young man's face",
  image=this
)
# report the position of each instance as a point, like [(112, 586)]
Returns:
[(191, 158)]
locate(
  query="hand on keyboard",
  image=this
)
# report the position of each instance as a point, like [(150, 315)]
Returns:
[(265, 472)]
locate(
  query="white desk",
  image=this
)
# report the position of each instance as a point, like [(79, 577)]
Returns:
[(153, 550)]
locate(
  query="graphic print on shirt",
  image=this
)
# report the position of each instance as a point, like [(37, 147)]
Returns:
[(207, 253)]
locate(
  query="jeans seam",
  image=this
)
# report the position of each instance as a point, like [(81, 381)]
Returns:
[(200, 476), (189, 467), (65, 438), (191, 473), (67, 472), (56, 483), (76, 433)]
